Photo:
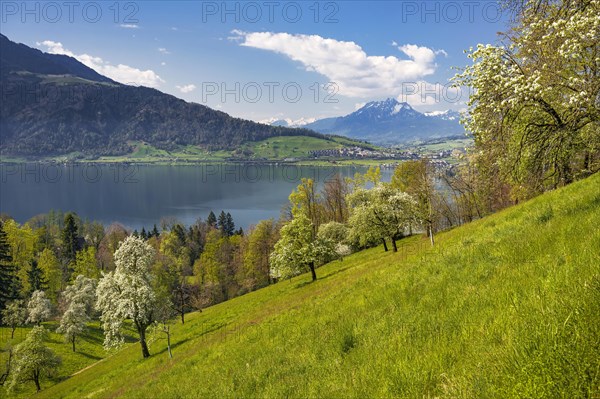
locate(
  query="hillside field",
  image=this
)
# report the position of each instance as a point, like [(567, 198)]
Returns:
[(507, 306)]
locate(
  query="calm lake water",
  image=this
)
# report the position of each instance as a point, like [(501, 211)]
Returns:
[(139, 195)]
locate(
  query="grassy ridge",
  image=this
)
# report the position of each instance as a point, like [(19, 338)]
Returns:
[(507, 306)]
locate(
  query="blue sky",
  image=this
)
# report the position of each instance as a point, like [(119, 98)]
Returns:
[(269, 59)]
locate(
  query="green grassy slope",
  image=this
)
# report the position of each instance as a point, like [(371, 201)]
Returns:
[(274, 148), (294, 146), (508, 306), (88, 351)]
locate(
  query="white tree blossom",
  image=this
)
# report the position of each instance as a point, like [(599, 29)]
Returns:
[(127, 293), (381, 212), (535, 104), (80, 298), (39, 308), (32, 359), (298, 249), (335, 235), (14, 315)]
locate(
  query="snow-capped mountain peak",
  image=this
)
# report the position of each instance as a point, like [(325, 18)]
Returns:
[(447, 115), (287, 122), (390, 122), (384, 108)]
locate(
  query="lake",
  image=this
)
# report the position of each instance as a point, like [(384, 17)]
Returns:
[(140, 195)]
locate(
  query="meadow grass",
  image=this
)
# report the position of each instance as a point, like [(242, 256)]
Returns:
[(88, 350), (507, 306)]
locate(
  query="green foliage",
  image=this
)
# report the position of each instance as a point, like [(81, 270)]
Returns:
[(21, 241), (305, 200), (416, 178), (260, 241), (85, 263), (50, 267)]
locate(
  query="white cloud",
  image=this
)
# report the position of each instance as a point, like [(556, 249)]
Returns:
[(187, 88), (120, 73), (346, 63), (163, 63), (129, 26), (163, 50)]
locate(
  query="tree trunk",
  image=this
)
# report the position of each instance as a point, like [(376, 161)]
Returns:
[(312, 271), (36, 379), (73, 342), (394, 246), (384, 244), (142, 332), (431, 235), (182, 317), (12, 333), (168, 332)]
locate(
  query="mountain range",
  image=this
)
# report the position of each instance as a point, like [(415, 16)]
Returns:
[(53, 105), (388, 122)]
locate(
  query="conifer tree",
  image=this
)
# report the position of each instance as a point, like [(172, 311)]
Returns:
[(70, 238), (9, 284), (211, 220)]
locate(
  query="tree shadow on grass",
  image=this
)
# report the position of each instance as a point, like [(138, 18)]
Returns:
[(89, 356), (305, 283), (173, 346), (343, 269)]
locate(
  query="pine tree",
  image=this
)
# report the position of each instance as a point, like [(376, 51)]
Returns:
[(180, 233), (36, 277), (211, 220), (70, 238), (155, 232), (229, 225), (9, 284), (221, 221), (143, 234)]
